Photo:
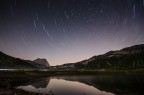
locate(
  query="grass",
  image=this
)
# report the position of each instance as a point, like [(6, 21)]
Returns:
[(20, 74)]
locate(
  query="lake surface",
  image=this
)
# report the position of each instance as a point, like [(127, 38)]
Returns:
[(80, 85), (60, 86)]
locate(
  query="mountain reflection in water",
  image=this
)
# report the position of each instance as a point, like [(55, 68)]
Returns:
[(87, 85), (62, 87)]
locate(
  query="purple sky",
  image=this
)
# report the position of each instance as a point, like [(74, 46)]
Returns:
[(65, 31)]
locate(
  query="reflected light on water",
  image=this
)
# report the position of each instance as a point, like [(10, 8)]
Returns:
[(64, 87)]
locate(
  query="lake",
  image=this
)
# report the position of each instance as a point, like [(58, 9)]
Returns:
[(76, 85)]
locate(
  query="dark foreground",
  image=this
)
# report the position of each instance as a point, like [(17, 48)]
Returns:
[(37, 73), (118, 82)]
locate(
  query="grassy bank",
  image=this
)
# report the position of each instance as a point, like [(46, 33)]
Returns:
[(20, 74)]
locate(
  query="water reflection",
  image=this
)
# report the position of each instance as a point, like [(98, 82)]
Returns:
[(59, 86), (39, 83), (117, 84), (75, 85)]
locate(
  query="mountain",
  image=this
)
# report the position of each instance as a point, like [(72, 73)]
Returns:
[(42, 62), (9, 62), (130, 57)]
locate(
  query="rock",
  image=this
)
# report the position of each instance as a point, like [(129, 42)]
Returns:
[(42, 62)]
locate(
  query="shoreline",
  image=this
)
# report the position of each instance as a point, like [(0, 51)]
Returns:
[(33, 74)]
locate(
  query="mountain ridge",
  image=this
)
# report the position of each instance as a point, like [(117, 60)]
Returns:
[(9, 62), (42, 61), (129, 57)]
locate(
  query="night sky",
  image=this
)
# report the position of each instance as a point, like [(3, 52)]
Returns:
[(65, 31)]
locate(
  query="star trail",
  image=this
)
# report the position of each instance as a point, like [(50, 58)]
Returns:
[(65, 31)]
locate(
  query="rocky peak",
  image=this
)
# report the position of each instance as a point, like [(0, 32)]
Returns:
[(42, 61)]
